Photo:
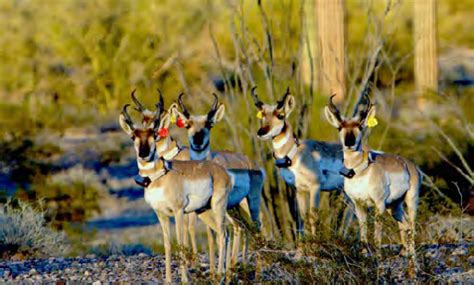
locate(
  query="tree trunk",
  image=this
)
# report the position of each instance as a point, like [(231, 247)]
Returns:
[(426, 61), (331, 52)]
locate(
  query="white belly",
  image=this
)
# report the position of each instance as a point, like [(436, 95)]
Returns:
[(198, 193)]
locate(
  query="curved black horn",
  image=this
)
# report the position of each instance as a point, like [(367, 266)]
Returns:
[(181, 104), (213, 110), (139, 106), (281, 103), (256, 101), (128, 119), (333, 108), (161, 102)]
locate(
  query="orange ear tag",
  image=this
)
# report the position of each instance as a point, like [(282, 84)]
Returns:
[(163, 132)]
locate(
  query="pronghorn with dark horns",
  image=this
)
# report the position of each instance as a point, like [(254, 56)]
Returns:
[(310, 166), (376, 179), (178, 187), (249, 178)]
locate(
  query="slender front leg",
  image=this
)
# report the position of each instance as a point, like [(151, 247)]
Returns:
[(378, 225), (314, 199), (302, 208), (165, 226), (361, 213), (179, 220)]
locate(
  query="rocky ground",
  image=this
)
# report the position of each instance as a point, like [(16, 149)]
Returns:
[(445, 263)]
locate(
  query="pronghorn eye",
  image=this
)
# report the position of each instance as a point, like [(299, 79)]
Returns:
[(281, 116)]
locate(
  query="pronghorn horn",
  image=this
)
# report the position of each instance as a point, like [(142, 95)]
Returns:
[(213, 110), (181, 104), (281, 103), (128, 119), (159, 110), (256, 101), (365, 109), (333, 108), (161, 103), (139, 106)]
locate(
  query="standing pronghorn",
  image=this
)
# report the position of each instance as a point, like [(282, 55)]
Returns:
[(249, 178), (376, 179), (174, 188), (169, 149), (311, 166)]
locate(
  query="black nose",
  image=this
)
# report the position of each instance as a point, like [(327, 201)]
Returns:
[(263, 131), (198, 138), (144, 151), (349, 140)]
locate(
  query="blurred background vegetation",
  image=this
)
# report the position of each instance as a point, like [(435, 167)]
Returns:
[(67, 67)]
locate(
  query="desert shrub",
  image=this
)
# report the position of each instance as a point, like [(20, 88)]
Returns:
[(70, 196), (23, 230)]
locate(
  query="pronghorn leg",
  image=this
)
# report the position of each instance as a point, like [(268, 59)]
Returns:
[(186, 231), (378, 225), (207, 218), (245, 211), (218, 206), (361, 213), (303, 208), (254, 197), (411, 200), (179, 220), (165, 226), (314, 199), (236, 244), (192, 231)]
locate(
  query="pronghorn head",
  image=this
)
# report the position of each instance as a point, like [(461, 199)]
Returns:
[(351, 131), (145, 134), (199, 126), (273, 117)]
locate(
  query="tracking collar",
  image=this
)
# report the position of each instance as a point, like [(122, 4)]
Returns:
[(365, 162)]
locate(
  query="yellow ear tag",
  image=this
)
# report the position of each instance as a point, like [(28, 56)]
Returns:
[(259, 115), (173, 119), (372, 122)]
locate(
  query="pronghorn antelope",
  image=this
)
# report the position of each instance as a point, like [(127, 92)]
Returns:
[(178, 187), (249, 178), (376, 179), (310, 166), (169, 149)]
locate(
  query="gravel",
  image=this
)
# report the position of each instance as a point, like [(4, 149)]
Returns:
[(445, 260)]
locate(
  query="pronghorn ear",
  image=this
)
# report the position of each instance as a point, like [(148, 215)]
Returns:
[(331, 117), (165, 121), (289, 105), (125, 126), (370, 114), (218, 115), (176, 114)]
